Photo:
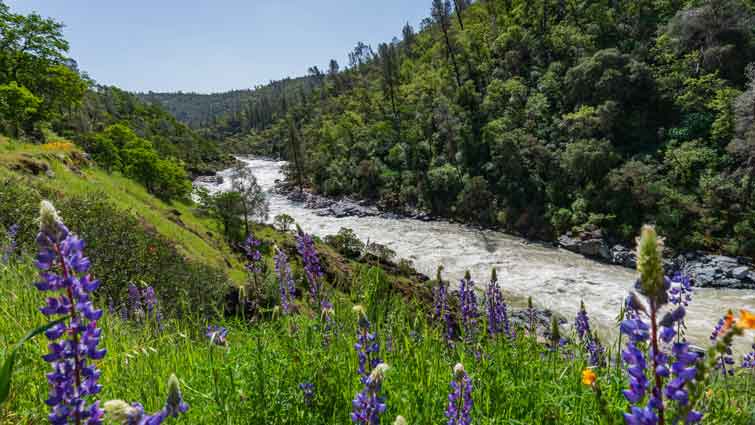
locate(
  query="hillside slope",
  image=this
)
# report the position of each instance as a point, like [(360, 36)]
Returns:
[(545, 117)]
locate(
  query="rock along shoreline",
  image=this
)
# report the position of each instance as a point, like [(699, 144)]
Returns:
[(706, 270)]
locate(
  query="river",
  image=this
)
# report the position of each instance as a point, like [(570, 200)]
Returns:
[(555, 278)]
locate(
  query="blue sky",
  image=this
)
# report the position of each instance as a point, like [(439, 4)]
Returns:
[(209, 46)]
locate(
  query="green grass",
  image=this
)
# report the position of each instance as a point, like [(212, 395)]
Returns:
[(195, 238), (255, 379)]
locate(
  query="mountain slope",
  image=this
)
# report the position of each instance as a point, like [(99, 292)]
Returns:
[(545, 117)]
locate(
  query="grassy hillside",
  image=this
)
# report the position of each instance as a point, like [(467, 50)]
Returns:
[(73, 176), (256, 376)]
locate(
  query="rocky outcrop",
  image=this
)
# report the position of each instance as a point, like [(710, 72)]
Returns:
[(214, 179), (719, 271), (345, 207), (590, 244), (705, 270)]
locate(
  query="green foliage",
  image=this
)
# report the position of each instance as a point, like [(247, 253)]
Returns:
[(510, 114), (119, 245), (17, 106), (346, 242), (6, 371)]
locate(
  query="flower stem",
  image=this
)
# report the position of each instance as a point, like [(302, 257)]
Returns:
[(658, 382)]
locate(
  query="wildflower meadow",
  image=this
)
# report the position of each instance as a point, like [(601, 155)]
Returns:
[(363, 354)]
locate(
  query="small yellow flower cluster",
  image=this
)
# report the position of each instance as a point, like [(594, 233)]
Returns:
[(59, 145)]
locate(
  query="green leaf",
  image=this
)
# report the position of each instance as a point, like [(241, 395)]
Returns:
[(7, 369)]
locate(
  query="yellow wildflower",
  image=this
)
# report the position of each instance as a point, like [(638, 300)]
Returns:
[(588, 377), (746, 320)]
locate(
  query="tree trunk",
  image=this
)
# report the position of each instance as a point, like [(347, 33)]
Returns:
[(451, 55)]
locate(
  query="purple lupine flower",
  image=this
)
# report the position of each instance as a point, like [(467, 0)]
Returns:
[(582, 323), (680, 294), (151, 303), (217, 335), (367, 345), (725, 361), (306, 247), (596, 351), (468, 307), (63, 272), (531, 317), (589, 341), (680, 291), (498, 317), (253, 255), (10, 249), (285, 280), (135, 310), (134, 414), (655, 287), (308, 391), (748, 362), (442, 311), (329, 329), (460, 403), (368, 404)]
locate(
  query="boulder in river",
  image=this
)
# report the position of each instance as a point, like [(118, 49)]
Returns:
[(587, 244)]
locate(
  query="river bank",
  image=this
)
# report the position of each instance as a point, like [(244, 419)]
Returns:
[(705, 269), (556, 279)]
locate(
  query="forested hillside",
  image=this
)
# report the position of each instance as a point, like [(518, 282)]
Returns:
[(231, 116), (44, 97), (544, 116)]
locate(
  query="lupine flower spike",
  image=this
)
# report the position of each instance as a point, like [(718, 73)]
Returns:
[(285, 280), (10, 248), (368, 404), (468, 306), (253, 255), (582, 323), (308, 391), (306, 247), (654, 286), (589, 341), (63, 272), (442, 310), (460, 403), (724, 360), (531, 317), (327, 316), (680, 294), (217, 335), (367, 345), (121, 412), (748, 362), (498, 317)]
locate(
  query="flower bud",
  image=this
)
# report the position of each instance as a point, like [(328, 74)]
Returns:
[(175, 403), (119, 411), (459, 371), (399, 420), (49, 219), (650, 265), (378, 373)]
